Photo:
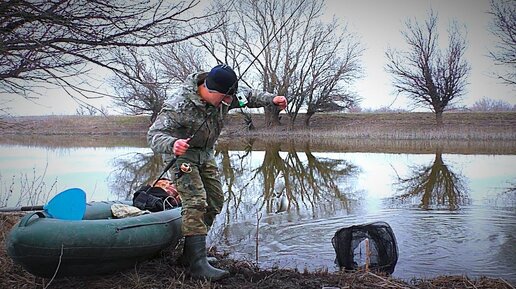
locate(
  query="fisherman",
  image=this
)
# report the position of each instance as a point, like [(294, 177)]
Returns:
[(188, 127)]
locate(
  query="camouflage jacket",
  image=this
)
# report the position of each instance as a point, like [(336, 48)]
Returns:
[(184, 112)]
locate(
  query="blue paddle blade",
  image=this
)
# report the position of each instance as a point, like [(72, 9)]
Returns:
[(67, 205)]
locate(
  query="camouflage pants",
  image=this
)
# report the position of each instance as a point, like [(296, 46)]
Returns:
[(200, 191)]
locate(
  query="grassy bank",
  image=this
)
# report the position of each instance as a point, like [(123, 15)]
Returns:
[(74, 125), (463, 133), (398, 126), (394, 126)]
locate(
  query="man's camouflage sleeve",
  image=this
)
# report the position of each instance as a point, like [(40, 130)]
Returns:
[(159, 136), (256, 98)]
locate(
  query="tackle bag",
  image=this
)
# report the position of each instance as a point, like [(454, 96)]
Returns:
[(372, 243), (162, 196)]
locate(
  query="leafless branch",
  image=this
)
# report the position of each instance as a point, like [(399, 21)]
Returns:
[(503, 27), (429, 76), (53, 42)]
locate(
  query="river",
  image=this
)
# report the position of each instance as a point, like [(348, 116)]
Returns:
[(450, 213)]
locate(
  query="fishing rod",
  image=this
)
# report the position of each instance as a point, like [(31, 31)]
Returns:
[(173, 161)]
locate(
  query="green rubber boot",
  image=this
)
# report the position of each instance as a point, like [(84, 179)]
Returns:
[(183, 260), (195, 251)]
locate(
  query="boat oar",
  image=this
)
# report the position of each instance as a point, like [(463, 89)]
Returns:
[(67, 205)]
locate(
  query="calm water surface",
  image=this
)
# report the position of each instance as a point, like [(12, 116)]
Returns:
[(451, 213)]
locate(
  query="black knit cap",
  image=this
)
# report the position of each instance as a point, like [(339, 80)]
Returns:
[(223, 79)]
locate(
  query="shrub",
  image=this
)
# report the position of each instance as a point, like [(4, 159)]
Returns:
[(487, 104)]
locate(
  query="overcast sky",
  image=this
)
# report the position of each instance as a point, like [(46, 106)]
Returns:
[(378, 24)]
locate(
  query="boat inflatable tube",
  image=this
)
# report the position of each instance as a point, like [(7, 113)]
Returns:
[(97, 244)]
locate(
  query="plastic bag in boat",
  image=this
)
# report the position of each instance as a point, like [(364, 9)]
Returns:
[(120, 211)]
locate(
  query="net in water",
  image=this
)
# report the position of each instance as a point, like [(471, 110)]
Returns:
[(369, 246)]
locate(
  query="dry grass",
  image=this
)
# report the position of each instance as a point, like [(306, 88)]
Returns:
[(392, 126), (319, 144), (489, 133), (396, 126), (75, 125)]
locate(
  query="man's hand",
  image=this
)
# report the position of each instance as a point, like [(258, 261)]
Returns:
[(180, 146), (280, 101)]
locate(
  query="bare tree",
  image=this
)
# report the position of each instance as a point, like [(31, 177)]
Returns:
[(59, 42), (262, 20), (149, 75), (488, 104), (428, 76), (88, 110), (139, 89), (250, 41), (180, 59), (503, 26), (331, 63), (225, 46), (301, 57)]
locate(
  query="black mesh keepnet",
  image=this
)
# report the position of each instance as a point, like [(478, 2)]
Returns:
[(350, 245)]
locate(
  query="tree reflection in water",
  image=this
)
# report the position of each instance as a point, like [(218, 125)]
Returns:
[(285, 181), (133, 170), (437, 185)]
